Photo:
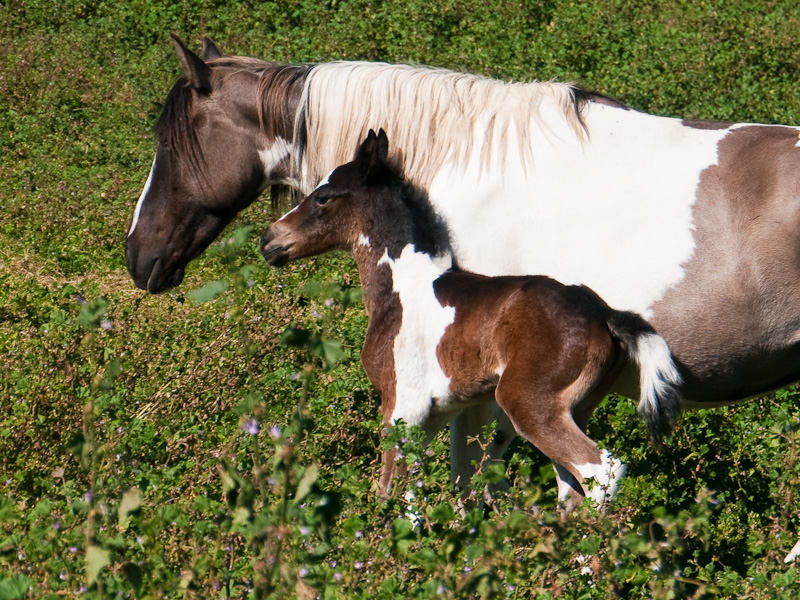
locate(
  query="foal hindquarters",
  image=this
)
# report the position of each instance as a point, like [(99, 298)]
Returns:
[(551, 357), (551, 385)]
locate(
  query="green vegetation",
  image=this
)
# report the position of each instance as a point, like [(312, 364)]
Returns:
[(224, 442)]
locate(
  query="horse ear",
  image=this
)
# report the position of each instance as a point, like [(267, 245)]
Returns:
[(367, 154), (210, 49), (193, 67)]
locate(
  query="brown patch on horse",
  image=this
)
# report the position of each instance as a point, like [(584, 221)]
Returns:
[(700, 124), (750, 200)]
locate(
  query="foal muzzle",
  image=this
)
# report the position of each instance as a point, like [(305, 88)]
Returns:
[(272, 249)]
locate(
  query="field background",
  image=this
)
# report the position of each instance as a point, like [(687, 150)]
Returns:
[(222, 442)]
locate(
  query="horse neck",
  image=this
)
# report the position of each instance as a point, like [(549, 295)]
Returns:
[(387, 264), (278, 93)]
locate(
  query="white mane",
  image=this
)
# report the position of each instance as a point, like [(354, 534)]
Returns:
[(431, 113)]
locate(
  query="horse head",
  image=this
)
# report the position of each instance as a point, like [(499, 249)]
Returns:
[(334, 215), (216, 153)]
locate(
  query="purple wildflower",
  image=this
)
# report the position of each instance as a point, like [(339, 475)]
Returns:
[(250, 426)]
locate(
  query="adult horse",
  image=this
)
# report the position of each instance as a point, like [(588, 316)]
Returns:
[(692, 224)]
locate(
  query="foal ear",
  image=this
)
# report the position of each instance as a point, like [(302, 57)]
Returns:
[(210, 49), (372, 156), (194, 69), (383, 146)]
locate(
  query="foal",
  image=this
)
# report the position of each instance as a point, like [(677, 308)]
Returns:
[(441, 340)]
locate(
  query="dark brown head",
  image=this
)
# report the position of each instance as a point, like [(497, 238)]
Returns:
[(366, 201), (219, 146), (341, 210)]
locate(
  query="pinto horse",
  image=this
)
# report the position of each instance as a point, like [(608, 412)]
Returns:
[(441, 340), (694, 225)]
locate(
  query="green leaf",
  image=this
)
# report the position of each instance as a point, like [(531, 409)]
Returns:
[(308, 480), (330, 351), (589, 545), (494, 472), (295, 337), (96, 559), (443, 513), (14, 587), (134, 575), (402, 528), (130, 503), (92, 313), (312, 287), (208, 292), (237, 240)]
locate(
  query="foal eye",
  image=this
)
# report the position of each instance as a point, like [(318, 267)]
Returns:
[(323, 199)]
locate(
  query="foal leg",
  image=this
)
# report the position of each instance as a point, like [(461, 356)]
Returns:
[(611, 470), (544, 417), (391, 467), (394, 469)]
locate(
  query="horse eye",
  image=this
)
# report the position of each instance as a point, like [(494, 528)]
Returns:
[(323, 199)]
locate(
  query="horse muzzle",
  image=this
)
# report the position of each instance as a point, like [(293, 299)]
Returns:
[(150, 272)]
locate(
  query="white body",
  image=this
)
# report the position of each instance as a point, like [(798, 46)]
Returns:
[(630, 260)]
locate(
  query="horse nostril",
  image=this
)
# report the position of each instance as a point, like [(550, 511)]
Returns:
[(266, 238)]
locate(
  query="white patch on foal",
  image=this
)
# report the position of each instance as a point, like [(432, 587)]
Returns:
[(420, 379), (606, 476), (363, 240), (653, 351), (146, 189)]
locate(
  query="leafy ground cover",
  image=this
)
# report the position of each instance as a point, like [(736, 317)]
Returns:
[(222, 440)]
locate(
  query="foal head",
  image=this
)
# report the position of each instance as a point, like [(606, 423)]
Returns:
[(366, 201)]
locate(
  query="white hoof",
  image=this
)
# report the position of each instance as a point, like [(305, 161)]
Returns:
[(793, 554), (602, 481)]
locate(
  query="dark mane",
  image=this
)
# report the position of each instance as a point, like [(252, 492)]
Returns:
[(279, 90), (174, 127), (427, 230), (581, 98)]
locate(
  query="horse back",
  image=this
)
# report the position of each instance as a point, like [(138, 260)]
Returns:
[(531, 320)]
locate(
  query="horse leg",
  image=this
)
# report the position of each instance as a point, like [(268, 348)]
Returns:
[(467, 443), (392, 468)]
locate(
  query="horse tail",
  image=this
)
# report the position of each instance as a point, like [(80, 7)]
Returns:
[(660, 382)]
